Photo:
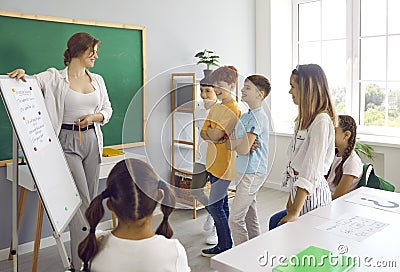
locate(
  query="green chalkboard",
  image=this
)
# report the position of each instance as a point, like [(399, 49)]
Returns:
[(37, 44)]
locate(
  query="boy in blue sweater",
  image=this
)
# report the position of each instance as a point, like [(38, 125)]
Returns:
[(251, 165)]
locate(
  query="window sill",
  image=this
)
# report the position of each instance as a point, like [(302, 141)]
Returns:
[(375, 140), (378, 140)]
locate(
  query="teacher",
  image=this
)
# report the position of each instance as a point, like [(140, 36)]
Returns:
[(78, 103)]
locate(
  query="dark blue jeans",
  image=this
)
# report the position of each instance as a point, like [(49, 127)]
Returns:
[(219, 210), (274, 220)]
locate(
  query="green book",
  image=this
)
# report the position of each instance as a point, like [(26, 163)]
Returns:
[(316, 259)]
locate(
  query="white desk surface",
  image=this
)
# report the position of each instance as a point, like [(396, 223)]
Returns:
[(341, 206), (107, 163), (293, 237)]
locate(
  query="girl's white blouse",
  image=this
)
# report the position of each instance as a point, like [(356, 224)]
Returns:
[(311, 152)]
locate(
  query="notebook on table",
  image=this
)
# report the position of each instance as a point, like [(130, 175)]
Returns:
[(313, 259), (110, 152)]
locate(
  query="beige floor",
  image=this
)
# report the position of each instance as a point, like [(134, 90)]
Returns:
[(187, 230)]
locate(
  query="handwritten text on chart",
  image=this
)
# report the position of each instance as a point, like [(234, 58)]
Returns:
[(31, 114)]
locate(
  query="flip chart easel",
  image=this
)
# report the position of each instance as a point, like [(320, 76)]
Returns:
[(34, 131), (26, 183)]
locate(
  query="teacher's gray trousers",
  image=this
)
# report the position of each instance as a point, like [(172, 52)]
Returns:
[(84, 163)]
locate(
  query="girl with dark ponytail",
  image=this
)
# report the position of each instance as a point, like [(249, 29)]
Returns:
[(347, 168), (132, 192)]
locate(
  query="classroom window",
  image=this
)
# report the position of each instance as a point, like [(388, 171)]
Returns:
[(357, 43)]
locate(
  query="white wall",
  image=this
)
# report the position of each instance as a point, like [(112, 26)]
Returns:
[(175, 30), (274, 59)]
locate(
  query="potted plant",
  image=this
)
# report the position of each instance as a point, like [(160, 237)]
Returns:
[(208, 58), (367, 150)]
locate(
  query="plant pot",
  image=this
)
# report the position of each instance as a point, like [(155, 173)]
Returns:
[(207, 72)]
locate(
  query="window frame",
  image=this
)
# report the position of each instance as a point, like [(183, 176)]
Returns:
[(353, 64)]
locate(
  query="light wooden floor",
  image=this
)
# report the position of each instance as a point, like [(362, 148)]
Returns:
[(187, 230)]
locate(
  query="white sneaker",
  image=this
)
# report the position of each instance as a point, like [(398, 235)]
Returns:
[(209, 223), (212, 238)]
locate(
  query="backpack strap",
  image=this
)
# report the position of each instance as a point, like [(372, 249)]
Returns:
[(367, 170)]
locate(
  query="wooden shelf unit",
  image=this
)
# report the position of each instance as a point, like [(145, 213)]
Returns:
[(184, 174)]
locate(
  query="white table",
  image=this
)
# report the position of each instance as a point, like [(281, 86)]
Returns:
[(262, 253)]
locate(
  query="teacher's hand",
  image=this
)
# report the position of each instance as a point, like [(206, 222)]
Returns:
[(84, 121), (18, 74)]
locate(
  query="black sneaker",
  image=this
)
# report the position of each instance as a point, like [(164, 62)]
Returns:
[(210, 252)]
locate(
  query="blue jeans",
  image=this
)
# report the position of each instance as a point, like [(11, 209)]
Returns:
[(275, 219), (219, 210)]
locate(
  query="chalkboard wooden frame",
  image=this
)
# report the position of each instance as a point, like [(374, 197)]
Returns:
[(135, 81)]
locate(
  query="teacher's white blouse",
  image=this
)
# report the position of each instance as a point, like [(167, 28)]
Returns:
[(311, 153)]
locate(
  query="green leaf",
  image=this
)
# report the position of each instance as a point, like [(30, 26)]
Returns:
[(367, 150), (206, 58), (198, 55)]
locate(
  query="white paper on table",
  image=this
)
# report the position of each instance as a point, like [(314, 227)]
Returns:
[(353, 227)]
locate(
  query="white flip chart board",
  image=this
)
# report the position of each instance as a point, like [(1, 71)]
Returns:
[(27, 112)]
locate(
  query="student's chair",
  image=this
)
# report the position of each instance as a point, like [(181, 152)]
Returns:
[(370, 179)]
